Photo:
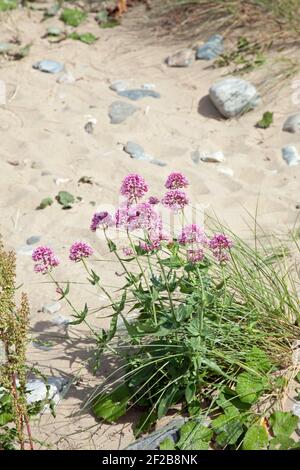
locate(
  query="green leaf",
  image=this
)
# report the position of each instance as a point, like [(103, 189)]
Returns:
[(258, 360), (86, 38), (265, 121), (6, 5), (166, 400), (47, 201), (281, 443), (297, 378), (145, 423), (172, 262), (249, 387), (5, 418), (193, 435), (283, 423), (73, 17), (190, 391), (112, 246), (113, 405), (256, 438), (228, 428), (167, 444), (65, 199)]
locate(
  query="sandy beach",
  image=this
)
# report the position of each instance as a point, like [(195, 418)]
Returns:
[(45, 149)]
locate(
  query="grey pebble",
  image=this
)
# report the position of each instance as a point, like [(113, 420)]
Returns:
[(211, 49), (119, 85), (37, 391), (234, 96), (292, 124), (135, 150), (49, 66), (119, 111), (33, 240), (137, 94)]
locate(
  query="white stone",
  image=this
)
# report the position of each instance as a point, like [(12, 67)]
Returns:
[(212, 157), (37, 390), (51, 308), (148, 86), (234, 96), (225, 170), (66, 78), (290, 155), (119, 85)]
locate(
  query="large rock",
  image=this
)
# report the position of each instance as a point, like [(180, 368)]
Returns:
[(234, 96), (211, 49), (119, 111), (153, 441), (292, 124)]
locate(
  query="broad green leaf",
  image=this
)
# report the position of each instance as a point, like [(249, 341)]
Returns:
[(256, 438), (167, 444), (283, 423), (113, 405), (228, 428), (190, 391), (145, 423), (258, 360), (249, 387), (281, 443), (65, 199), (5, 418), (192, 435), (73, 17)]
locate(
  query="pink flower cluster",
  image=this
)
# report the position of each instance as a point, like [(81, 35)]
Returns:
[(134, 187), (176, 181), (220, 244), (44, 259), (80, 250), (192, 234), (175, 200), (101, 219)]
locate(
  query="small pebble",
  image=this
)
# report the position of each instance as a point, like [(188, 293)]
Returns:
[(51, 308), (212, 157), (211, 49), (49, 66), (33, 240), (66, 77), (148, 86), (224, 170), (119, 85), (119, 111), (183, 58)]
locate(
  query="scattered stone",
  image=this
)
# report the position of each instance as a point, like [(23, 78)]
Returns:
[(59, 320), (183, 58), (290, 155), (212, 157), (135, 151), (58, 181), (90, 125), (25, 250), (54, 31), (148, 86), (292, 124), (49, 66), (211, 49), (153, 441), (37, 390), (66, 77), (33, 240), (158, 162), (234, 96), (224, 170), (5, 47), (120, 111), (119, 85), (137, 94), (51, 308)]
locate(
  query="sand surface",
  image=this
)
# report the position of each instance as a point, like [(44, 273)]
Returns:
[(43, 139)]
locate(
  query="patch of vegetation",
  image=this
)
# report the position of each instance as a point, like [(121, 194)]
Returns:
[(265, 121), (73, 17), (46, 202), (87, 38), (6, 5), (66, 199), (247, 57)]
